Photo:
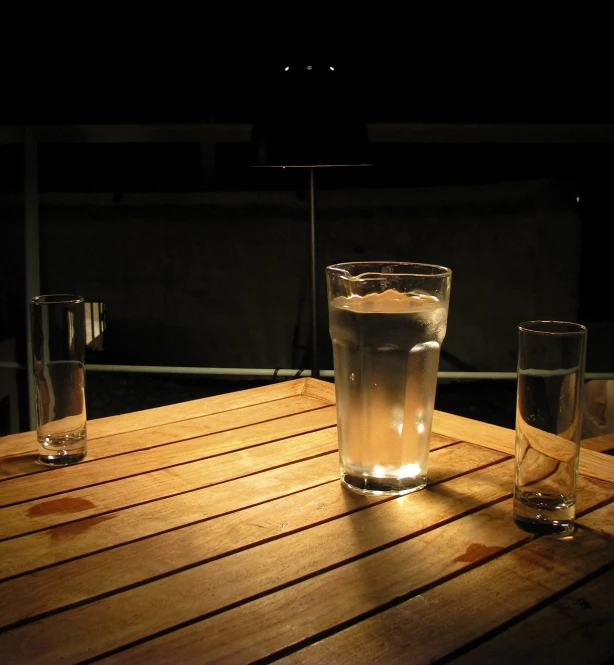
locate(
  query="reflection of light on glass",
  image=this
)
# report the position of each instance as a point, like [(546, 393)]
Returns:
[(410, 471), (397, 420), (332, 69), (577, 199), (71, 330), (286, 69), (406, 471), (420, 427)]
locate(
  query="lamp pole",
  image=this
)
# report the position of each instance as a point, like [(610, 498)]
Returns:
[(315, 364)]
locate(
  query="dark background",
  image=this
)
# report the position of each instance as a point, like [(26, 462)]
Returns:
[(505, 66), (421, 64)]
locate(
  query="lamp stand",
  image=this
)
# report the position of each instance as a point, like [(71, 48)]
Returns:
[(315, 365)]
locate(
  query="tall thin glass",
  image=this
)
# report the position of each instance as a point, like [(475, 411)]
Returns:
[(551, 361), (58, 353)]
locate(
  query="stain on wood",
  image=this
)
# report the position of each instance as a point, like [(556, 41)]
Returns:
[(476, 552), (63, 506), (73, 529)]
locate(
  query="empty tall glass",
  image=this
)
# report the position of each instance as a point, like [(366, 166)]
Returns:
[(387, 323), (58, 356)]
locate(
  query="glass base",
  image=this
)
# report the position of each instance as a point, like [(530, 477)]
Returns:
[(382, 486), (61, 449), (543, 513), (61, 457), (544, 528)]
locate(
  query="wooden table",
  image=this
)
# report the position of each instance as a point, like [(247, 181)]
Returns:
[(217, 531)]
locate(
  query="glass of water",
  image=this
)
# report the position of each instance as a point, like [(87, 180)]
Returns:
[(387, 323), (551, 362)]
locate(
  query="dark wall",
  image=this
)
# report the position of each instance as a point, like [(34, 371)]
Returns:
[(226, 282)]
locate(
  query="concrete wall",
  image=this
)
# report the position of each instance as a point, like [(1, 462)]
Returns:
[(222, 279)]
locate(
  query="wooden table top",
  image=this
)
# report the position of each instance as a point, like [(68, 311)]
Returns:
[(217, 531)]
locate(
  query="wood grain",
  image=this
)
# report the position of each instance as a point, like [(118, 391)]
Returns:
[(600, 444), (323, 390), (111, 496), (120, 619), (150, 437), (25, 442), (283, 619), (171, 517), (170, 451), (217, 531), (569, 630), (85, 536), (601, 520), (204, 540), (438, 621)]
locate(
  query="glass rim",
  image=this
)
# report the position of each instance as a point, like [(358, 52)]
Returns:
[(552, 327), (57, 299), (439, 270)]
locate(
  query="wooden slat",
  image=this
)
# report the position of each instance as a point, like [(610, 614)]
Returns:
[(482, 434), (570, 630), (111, 622), (185, 450), (592, 464), (321, 389), (303, 611), (112, 496), (438, 621), (16, 444), (600, 444), (109, 570), (601, 520), (150, 437)]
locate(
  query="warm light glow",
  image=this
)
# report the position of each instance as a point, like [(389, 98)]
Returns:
[(407, 471), (286, 69), (332, 69), (410, 471), (397, 420)]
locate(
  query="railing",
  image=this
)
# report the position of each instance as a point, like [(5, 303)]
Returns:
[(273, 373)]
